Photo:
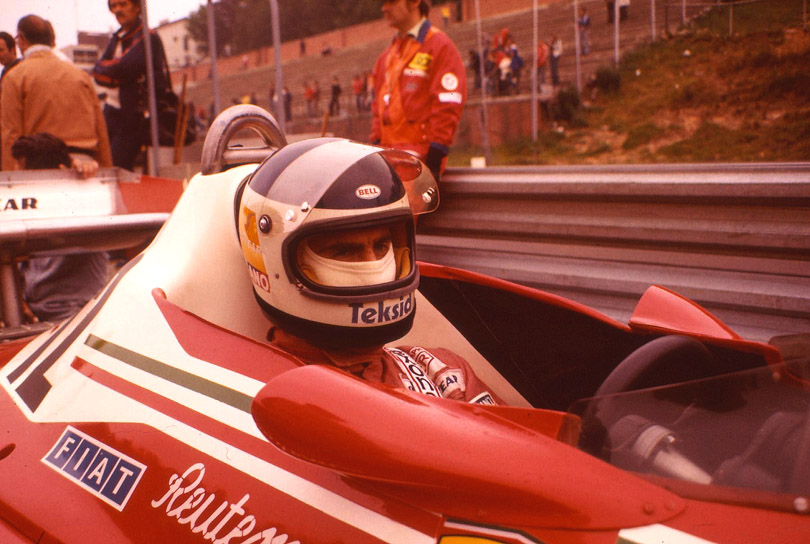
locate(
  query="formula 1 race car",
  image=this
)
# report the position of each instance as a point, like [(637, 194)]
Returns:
[(160, 414)]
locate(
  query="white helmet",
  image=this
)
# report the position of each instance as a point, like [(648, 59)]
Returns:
[(311, 190)]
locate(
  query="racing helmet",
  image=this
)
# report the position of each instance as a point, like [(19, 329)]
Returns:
[(305, 209)]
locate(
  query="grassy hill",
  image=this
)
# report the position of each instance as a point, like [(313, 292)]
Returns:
[(698, 96)]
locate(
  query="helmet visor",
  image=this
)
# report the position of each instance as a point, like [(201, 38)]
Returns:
[(369, 258), (419, 183)]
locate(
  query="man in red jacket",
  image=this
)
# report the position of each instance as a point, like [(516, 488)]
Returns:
[(420, 86)]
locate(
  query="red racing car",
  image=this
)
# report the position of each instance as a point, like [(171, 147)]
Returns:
[(160, 414)]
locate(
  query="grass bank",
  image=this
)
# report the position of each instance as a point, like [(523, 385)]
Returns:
[(701, 95)]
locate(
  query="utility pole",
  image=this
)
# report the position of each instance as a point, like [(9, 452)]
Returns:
[(282, 121), (150, 84), (212, 52)]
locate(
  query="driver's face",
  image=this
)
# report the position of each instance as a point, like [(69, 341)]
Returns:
[(369, 244)]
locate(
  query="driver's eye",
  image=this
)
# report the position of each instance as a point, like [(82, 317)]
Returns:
[(381, 247)]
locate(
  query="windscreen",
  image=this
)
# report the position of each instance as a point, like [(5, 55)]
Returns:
[(749, 429)]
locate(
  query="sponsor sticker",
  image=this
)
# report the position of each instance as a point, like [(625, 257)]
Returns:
[(414, 73), (483, 398), (367, 192), (380, 312), (450, 81), (98, 468), (210, 518), (249, 237), (421, 61), (450, 98), (259, 278)]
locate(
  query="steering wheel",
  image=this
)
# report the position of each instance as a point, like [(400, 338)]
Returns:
[(218, 155), (665, 360)]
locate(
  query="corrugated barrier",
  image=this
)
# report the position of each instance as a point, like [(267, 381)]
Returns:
[(734, 237)]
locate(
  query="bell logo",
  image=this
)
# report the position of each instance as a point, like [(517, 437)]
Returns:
[(367, 192)]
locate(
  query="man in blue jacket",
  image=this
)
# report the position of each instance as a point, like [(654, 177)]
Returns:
[(122, 72)]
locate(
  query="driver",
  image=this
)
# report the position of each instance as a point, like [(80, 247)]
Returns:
[(327, 231)]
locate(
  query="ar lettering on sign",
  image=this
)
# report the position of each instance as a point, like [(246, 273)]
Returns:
[(28, 203), (103, 471)]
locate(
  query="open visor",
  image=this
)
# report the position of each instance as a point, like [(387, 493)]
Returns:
[(419, 183), (363, 259)]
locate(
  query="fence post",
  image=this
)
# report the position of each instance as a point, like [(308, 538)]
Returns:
[(577, 45), (533, 93), (616, 34), (730, 19)]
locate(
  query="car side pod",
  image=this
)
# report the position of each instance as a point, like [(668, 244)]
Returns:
[(465, 461)]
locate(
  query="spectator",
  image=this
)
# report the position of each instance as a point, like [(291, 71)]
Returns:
[(474, 64), (491, 71), (302, 48), (420, 86), (287, 98), (45, 151), (556, 53), (334, 102), (504, 74), (309, 97), (121, 71), (8, 58), (584, 25), (316, 96), (336, 258), (274, 102), (45, 94), (55, 288), (542, 61), (499, 40), (369, 90), (203, 118), (446, 15), (8, 53), (357, 91), (624, 9), (515, 66)]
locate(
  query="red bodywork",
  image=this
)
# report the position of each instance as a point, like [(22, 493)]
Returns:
[(432, 467)]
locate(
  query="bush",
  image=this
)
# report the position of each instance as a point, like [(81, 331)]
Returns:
[(608, 80), (566, 104)]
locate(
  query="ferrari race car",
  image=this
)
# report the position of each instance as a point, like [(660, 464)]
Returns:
[(160, 414)]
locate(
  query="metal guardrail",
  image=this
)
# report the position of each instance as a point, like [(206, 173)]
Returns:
[(734, 237)]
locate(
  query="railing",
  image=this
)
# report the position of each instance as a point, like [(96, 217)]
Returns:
[(734, 238)]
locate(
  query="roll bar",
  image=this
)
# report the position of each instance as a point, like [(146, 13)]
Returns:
[(218, 155)]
